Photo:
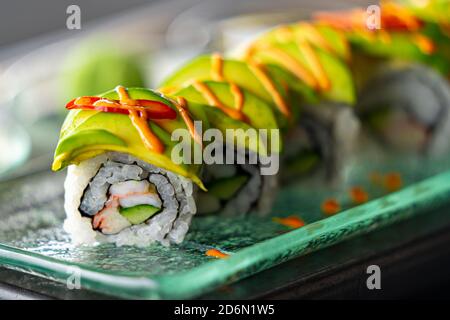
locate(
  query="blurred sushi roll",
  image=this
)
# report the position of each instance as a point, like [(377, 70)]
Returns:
[(321, 138), (408, 108), (223, 84), (321, 145), (239, 187)]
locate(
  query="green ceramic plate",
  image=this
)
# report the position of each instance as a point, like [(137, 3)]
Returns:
[(32, 240)]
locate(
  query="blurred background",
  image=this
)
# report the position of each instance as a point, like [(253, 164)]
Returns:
[(44, 63)]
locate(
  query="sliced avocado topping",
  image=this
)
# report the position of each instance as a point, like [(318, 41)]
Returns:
[(139, 213), (225, 188), (83, 139)]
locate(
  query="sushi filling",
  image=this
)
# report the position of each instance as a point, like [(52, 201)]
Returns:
[(130, 202), (126, 193), (236, 189), (225, 183)]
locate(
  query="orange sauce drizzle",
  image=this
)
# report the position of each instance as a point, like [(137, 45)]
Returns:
[(391, 14), (358, 195), (392, 181), (314, 75), (217, 67), (212, 99), (261, 75), (181, 107), (291, 222), (110, 103), (139, 120), (315, 65), (314, 37), (217, 75), (238, 96), (425, 44), (330, 206), (216, 254), (291, 64)]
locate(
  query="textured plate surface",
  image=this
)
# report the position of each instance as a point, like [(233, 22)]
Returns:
[(32, 240)]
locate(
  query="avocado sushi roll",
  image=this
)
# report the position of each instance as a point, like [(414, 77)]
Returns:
[(321, 139), (240, 187), (122, 185)]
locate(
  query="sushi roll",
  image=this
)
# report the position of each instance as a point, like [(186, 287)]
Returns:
[(408, 108), (211, 80), (122, 185)]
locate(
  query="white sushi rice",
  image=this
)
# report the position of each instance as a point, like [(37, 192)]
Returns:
[(168, 226), (256, 196)]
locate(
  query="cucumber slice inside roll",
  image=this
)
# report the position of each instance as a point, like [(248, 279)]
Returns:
[(138, 214)]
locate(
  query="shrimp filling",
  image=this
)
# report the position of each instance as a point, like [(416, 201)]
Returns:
[(130, 202)]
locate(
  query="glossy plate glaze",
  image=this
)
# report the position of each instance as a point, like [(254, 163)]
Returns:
[(32, 239)]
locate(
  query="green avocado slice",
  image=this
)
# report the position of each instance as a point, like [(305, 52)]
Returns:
[(88, 137), (225, 188), (86, 134), (260, 114), (139, 213)]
